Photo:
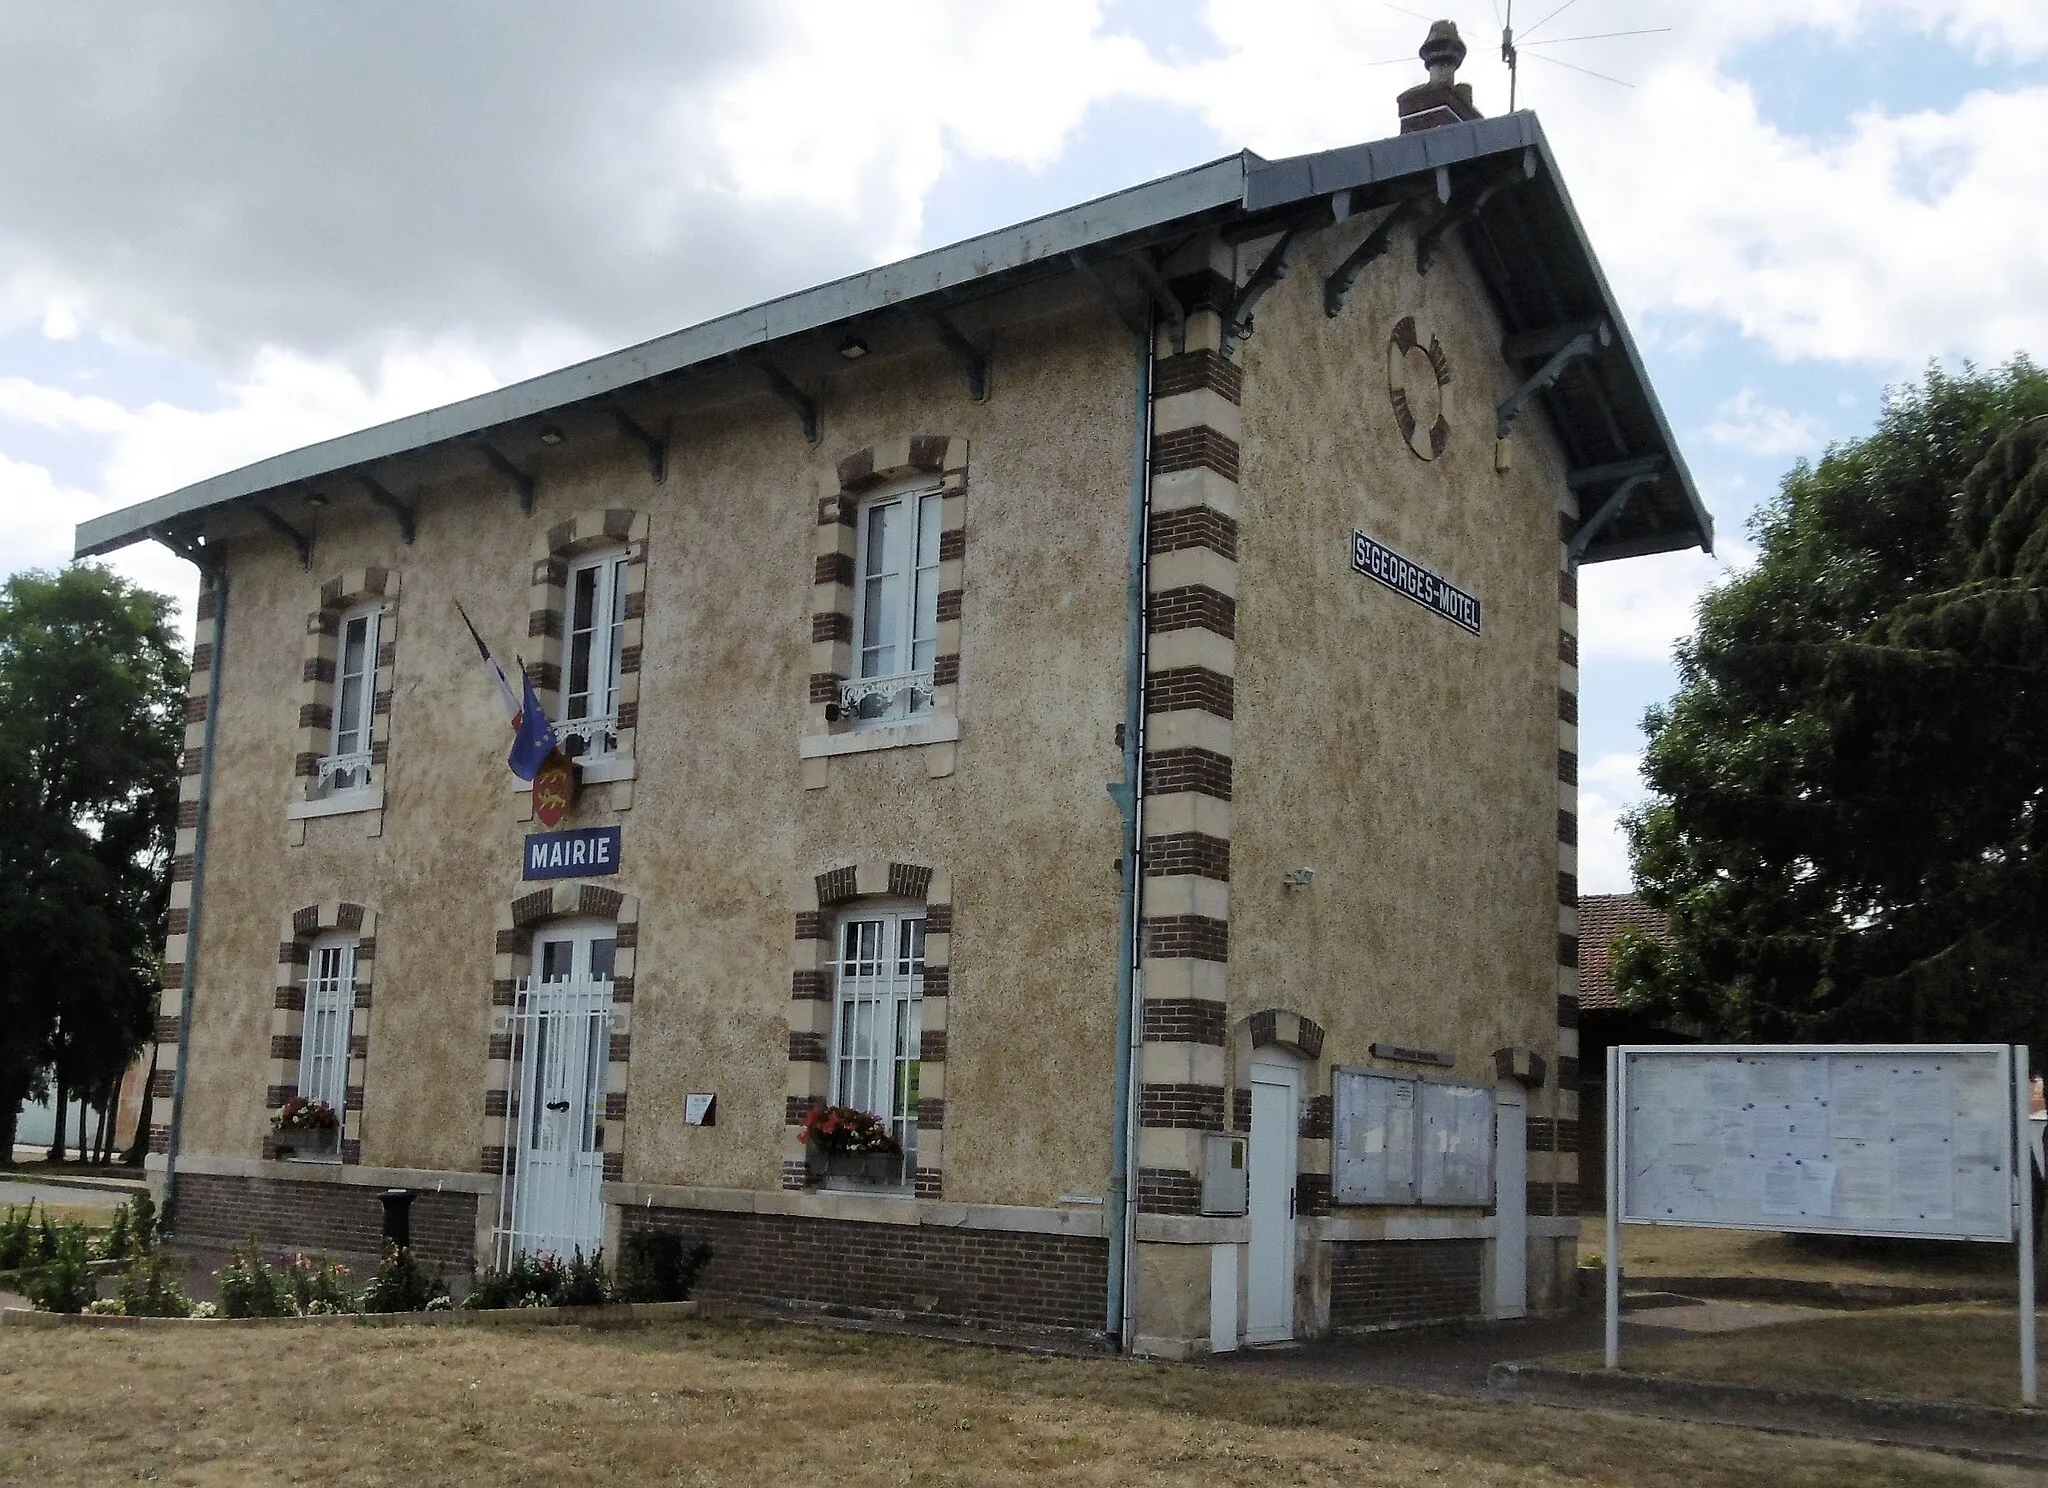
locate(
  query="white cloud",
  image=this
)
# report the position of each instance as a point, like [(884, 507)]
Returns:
[(1747, 423), (1639, 609), (1608, 786)]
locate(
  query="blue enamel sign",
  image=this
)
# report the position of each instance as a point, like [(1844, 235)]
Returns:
[(1432, 591), (584, 852)]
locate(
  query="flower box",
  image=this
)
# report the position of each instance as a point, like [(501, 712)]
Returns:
[(857, 1170), (309, 1144)]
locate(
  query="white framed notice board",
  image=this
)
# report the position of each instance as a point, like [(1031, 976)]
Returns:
[(1410, 1139), (1837, 1139)]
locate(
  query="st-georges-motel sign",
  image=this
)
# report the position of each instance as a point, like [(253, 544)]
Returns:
[(1405, 577)]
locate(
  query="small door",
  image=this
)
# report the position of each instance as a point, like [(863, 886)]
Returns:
[(1269, 1289), (1510, 1201), (562, 1042)]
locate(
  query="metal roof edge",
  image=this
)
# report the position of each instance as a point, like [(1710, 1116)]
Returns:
[(1147, 207)]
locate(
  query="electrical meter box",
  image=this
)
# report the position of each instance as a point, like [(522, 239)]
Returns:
[(1226, 1186)]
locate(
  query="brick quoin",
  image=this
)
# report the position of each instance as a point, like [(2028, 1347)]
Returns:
[(1380, 1283), (1192, 607), (1181, 1107), (1195, 937), (1202, 771), (1192, 527), (988, 1277), (1194, 371), (1190, 687), (1188, 853), (1185, 1020)]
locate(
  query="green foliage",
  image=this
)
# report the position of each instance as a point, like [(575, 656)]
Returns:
[(402, 1284), (24, 1239), (545, 1281), (248, 1287), (154, 1287), (65, 1283), (92, 692), (317, 1284), (655, 1266), (1849, 819)]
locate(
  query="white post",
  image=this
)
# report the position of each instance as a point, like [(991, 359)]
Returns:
[(1614, 1128), (2023, 1163)]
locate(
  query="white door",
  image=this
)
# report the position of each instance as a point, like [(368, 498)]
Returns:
[(561, 1030), (1269, 1283), (1511, 1201)]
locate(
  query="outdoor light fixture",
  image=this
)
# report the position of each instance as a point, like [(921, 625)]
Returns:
[(314, 498), (549, 434), (853, 348)]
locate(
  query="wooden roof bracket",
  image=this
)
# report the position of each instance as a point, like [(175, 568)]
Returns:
[(633, 429), (1163, 296), (1086, 272), (1460, 211), (400, 512), (1237, 325), (805, 407), (1376, 243), (301, 542), (1584, 344), (522, 482), (1609, 509), (972, 359)]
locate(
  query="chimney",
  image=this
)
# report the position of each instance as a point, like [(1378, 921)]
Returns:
[(1441, 100)]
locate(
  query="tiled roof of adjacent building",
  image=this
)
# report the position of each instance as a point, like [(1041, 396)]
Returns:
[(1601, 918)]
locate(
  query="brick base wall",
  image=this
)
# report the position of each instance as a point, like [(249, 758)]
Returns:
[(990, 1277), (285, 1214), (1383, 1283)]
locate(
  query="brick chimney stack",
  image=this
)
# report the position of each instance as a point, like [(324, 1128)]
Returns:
[(1442, 100)]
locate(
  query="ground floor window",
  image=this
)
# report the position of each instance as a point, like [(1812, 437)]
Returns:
[(330, 1004), (878, 1005)]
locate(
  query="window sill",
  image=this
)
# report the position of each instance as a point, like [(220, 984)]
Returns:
[(943, 728), (341, 803), (323, 1160)]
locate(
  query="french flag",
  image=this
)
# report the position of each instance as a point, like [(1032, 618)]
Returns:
[(533, 736)]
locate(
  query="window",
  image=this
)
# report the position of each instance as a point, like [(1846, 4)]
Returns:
[(589, 726), (324, 1033), (878, 1015), (896, 608), (347, 766)]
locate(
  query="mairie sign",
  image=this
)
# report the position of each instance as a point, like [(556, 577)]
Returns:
[(582, 852), (1432, 591)]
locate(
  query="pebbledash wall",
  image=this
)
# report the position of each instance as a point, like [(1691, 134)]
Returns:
[(1297, 715)]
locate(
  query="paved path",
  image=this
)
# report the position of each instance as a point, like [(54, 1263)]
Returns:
[(17, 1191)]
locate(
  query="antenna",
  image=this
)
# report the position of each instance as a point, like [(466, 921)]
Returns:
[(1511, 54)]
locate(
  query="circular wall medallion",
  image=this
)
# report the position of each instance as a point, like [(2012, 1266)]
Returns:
[(1417, 377)]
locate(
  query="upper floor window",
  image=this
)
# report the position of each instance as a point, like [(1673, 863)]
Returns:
[(896, 608), (878, 1020), (347, 765), (324, 1032), (589, 726)]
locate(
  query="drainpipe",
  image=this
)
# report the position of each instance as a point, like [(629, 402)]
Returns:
[(213, 684), (1129, 796)]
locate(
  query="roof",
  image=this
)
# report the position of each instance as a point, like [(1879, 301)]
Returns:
[(1601, 918), (1527, 241)]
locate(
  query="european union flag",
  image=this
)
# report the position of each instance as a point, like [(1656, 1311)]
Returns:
[(533, 738)]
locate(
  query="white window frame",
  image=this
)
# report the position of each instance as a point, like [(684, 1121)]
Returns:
[(589, 726), (327, 1024), (347, 767), (893, 997), (873, 697)]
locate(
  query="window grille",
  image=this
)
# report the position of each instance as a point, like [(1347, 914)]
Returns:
[(878, 1020), (347, 765), (589, 726), (896, 608), (324, 1031)]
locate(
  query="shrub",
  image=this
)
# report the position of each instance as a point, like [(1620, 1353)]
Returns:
[(584, 1283), (530, 1281), (315, 1284), (401, 1284), (20, 1238), (655, 1266), (154, 1287), (249, 1288), (142, 1222), (65, 1283), (115, 1240)]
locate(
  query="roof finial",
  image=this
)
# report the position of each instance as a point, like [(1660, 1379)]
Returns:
[(1443, 52), (1443, 99)]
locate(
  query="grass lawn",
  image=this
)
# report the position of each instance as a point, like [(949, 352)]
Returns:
[(758, 1404), (1963, 1351), (1649, 1251)]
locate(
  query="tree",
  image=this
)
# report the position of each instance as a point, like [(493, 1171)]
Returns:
[(1849, 812), (92, 698)]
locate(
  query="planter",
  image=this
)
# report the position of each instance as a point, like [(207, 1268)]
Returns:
[(857, 1170), (309, 1144)]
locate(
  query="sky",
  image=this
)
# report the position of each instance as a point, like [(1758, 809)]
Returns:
[(229, 230)]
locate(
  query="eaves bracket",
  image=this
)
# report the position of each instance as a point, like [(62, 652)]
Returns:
[(1609, 509), (1376, 243), (403, 514), (972, 359), (187, 545), (301, 542), (1459, 212), (633, 429), (1271, 270), (1086, 272), (522, 481), (1164, 297), (1582, 345), (805, 407)]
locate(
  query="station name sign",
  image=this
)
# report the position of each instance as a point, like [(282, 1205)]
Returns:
[(1434, 592), (582, 852)]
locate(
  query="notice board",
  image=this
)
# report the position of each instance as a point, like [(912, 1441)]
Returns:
[(1847, 1139), (1410, 1139)]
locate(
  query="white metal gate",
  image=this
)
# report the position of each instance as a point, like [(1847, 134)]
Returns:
[(550, 1200)]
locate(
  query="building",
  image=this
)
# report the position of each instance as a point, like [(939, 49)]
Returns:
[(1070, 694), (1604, 1022)]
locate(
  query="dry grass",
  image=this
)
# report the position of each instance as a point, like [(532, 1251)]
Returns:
[(1964, 1351), (1650, 1251), (718, 1403)]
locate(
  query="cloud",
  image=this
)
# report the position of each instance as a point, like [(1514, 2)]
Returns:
[(1746, 423), (1608, 786), (1639, 609)]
